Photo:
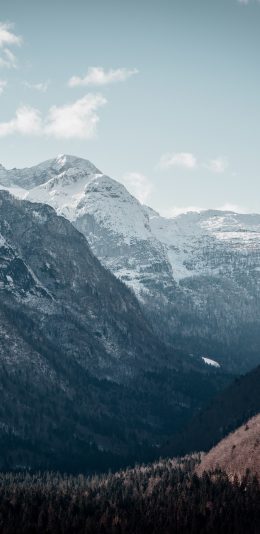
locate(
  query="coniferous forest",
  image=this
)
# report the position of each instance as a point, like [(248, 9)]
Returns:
[(166, 497)]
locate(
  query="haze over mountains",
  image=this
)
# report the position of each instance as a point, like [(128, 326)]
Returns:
[(197, 276)]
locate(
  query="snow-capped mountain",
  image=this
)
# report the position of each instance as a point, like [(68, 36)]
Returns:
[(114, 222), (197, 275)]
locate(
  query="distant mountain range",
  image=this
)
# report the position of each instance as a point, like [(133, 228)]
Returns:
[(196, 276)]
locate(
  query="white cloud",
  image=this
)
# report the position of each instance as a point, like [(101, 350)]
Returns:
[(138, 185), (218, 165), (42, 87), (98, 76), (7, 39), (3, 84), (188, 161), (27, 121), (7, 36), (181, 159), (77, 120)]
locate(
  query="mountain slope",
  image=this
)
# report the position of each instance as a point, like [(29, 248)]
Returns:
[(236, 453), (230, 409), (84, 381), (197, 276)]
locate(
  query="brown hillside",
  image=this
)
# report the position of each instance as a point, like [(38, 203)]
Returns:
[(237, 452)]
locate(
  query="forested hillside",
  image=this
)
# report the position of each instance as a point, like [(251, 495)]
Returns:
[(165, 498), (236, 453)]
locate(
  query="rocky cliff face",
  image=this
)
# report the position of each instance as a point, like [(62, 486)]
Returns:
[(197, 276)]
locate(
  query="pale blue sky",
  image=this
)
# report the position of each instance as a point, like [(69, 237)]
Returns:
[(183, 131)]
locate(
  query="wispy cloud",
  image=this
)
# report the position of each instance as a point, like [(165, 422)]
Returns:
[(98, 76), (77, 120), (218, 165), (8, 39), (8, 59), (138, 184), (188, 161), (3, 84), (42, 87), (185, 160), (247, 2)]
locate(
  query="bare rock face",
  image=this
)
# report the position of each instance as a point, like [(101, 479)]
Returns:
[(197, 276), (237, 453)]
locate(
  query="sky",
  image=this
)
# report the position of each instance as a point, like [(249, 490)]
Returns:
[(162, 95)]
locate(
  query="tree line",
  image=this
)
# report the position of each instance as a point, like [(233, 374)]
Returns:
[(165, 497)]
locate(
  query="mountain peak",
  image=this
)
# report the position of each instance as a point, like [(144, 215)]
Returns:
[(63, 162), (34, 176)]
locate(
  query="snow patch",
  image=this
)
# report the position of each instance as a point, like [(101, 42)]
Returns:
[(208, 361), (2, 241), (41, 218)]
